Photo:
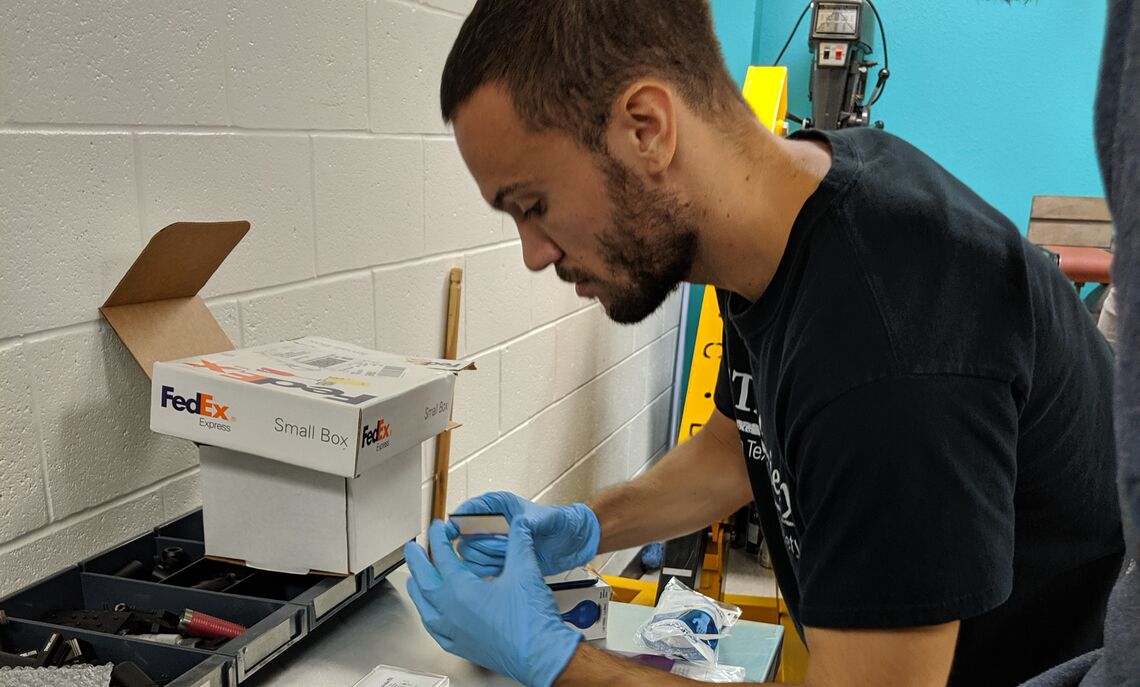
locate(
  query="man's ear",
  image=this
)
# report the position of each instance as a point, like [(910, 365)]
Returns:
[(643, 127)]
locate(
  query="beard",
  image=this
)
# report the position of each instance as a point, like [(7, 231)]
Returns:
[(648, 249)]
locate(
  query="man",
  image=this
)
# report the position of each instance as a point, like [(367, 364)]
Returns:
[(920, 399), (1118, 148)]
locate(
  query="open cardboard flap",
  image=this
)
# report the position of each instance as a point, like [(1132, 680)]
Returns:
[(156, 309)]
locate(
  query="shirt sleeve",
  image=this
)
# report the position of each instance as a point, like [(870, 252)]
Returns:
[(904, 488)]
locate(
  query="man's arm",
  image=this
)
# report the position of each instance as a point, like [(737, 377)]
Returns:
[(910, 657), (701, 480)]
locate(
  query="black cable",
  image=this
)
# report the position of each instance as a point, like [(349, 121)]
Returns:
[(793, 34), (883, 33), (885, 72)]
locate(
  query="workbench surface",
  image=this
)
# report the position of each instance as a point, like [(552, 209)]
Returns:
[(384, 627)]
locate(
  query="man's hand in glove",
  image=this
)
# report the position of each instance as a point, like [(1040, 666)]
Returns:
[(509, 624), (565, 537)]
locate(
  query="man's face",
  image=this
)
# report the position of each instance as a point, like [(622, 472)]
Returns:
[(601, 226)]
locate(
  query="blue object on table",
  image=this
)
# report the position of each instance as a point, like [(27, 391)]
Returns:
[(701, 623), (652, 556), (755, 646), (584, 615)]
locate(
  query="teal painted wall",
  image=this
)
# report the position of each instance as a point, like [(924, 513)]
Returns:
[(1000, 94), (735, 22)]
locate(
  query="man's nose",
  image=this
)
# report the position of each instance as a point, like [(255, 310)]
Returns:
[(539, 251)]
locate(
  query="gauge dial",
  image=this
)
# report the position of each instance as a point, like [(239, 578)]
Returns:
[(838, 20)]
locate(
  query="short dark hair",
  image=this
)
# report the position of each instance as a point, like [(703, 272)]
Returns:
[(563, 62)]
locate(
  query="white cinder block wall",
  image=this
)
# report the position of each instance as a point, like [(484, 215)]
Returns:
[(319, 123)]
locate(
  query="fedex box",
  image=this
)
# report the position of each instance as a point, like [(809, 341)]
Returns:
[(309, 448), (310, 402), (275, 516)]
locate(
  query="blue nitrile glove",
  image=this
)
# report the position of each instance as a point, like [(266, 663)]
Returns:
[(565, 537), (509, 624)]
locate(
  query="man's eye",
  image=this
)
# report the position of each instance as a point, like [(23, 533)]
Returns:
[(536, 210)]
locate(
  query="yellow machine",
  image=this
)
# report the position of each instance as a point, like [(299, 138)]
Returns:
[(766, 91)]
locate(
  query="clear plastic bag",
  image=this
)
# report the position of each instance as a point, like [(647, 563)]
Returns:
[(706, 673), (687, 625)]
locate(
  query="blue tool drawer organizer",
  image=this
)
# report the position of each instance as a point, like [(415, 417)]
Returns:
[(277, 609)]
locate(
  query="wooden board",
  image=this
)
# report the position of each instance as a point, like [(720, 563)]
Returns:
[(1081, 208)]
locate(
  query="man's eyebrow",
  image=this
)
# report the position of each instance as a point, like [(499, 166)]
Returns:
[(506, 191)]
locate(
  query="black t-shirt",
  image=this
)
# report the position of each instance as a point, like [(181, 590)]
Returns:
[(925, 410)]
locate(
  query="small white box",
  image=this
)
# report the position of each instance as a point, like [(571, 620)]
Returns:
[(311, 402), (583, 608), (275, 516), (388, 676)]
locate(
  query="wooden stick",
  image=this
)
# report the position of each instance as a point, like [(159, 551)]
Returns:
[(443, 447)]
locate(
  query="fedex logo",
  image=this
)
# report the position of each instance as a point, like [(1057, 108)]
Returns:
[(381, 432), (198, 404)]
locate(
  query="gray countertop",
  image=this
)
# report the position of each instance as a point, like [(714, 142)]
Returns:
[(384, 627)]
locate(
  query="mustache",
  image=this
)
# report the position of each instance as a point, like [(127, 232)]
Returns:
[(571, 275)]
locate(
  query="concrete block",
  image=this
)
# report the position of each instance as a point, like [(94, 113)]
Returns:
[(69, 218), (504, 465), (23, 504), (32, 561), (257, 177), (577, 353), (660, 363), (427, 459), (553, 298), (181, 496), (588, 344), (145, 62), (457, 6), (561, 435), (411, 307), (5, 87), (297, 64), (618, 394), (407, 46), (648, 434), (529, 367), (497, 297), (369, 201), (227, 312), (615, 341), (662, 320), (602, 468), (456, 487), (93, 403), (339, 308), (648, 465), (476, 407), (455, 214)]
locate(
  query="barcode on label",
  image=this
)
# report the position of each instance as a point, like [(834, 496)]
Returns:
[(370, 369), (326, 361)]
